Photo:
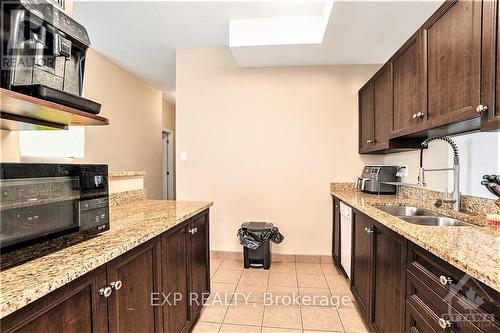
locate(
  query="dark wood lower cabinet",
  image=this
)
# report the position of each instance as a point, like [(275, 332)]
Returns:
[(336, 231), (76, 307), (389, 280), (134, 277), (176, 313), (362, 263), (127, 294), (200, 262), (400, 287)]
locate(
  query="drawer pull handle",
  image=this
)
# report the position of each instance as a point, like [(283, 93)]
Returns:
[(445, 281), (106, 292), (443, 323), (116, 285)]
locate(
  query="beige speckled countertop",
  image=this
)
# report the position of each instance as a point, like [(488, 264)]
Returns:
[(130, 226), (126, 173), (475, 249)]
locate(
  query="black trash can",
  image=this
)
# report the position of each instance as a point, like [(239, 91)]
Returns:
[(261, 256)]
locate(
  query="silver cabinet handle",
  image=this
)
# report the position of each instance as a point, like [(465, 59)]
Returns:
[(116, 285), (193, 231), (420, 114), (445, 281), (370, 141), (481, 108), (369, 231), (443, 323), (414, 116), (106, 291)]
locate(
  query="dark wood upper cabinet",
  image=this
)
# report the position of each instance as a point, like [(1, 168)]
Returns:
[(362, 261), (130, 307), (452, 62), (490, 83), (376, 114), (407, 88), (200, 261), (382, 94), (76, 307), (375, 110), (366, 118), (389, 280), (176, 313), (444, 80)]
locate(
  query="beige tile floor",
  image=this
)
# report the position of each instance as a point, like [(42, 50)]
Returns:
[(290, 297)]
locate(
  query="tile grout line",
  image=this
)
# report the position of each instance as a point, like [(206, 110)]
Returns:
[(300, 299), (335, 308), (231, 300), (264, 306)]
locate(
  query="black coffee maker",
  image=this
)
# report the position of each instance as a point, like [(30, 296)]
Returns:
[(43, 53)]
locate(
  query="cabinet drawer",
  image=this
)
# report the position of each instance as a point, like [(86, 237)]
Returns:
[(470, 298), (415, 322), (436, 308)]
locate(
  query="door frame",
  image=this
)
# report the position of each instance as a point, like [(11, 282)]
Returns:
[(168, 189)]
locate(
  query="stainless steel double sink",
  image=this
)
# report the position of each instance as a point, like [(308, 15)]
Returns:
[(421, 216)]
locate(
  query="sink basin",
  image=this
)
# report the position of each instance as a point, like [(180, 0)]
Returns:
[(407, 211), (436, 221)]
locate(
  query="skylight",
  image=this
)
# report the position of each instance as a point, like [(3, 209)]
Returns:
[(280, 30)]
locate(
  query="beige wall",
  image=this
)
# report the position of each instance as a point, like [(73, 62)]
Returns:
[(265, 143), (132, 141), (434, 157), (168, 118)]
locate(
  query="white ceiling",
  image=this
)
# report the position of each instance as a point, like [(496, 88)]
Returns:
[(142, 36)]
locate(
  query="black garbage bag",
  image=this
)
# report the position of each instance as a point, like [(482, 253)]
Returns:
[(252, 239)]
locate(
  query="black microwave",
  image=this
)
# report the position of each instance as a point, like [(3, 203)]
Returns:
[(44, 201)]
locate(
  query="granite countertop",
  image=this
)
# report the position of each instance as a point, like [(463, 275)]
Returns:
[(126, 173), (475, 249), (130, 226)]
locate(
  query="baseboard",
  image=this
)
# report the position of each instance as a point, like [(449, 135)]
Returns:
[(277, 257)]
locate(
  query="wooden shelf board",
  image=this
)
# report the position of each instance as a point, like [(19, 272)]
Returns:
[(39, 114)]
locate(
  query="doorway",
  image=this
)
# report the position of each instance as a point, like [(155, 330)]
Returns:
[(168, 177)]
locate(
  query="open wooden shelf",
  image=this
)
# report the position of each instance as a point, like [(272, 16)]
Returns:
[(21, 112)]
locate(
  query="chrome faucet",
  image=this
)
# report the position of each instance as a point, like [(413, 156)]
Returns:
[(456, 171)]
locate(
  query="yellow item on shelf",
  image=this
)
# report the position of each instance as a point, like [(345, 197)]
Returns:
[(493, 219)]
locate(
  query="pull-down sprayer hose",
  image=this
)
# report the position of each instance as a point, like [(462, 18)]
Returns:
[(425, 144)]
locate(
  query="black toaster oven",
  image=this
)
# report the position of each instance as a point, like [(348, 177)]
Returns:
[(44, 201)]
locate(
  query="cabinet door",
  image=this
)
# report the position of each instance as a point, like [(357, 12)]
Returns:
[(76, 307), (176, 313), (406, 88), (366, 118), (490, 89), (362, 260), (200, 261), (130, 306), (452, 39), (389, 280), (336, 231), (382, 87)]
